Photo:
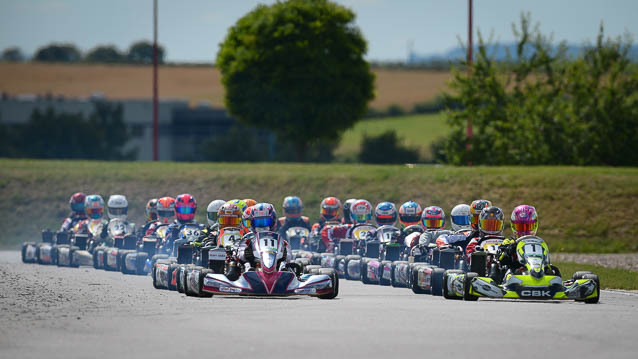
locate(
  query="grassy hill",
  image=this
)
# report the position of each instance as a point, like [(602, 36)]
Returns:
[(581, 209), (416, 131), (194, 83)]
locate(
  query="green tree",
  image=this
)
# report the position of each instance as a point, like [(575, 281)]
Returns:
[(104, 54), (58, 53), (297, 68), (141, 52), (12, 54), (386, 148)]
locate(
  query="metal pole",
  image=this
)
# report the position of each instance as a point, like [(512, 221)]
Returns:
[(469, 69), (155, 101)]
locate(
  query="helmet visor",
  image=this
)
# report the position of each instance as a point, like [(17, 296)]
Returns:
[(475, 220), (212, 216), (433, 223), (185, 210), (491, 225), (229, 221), (524, 227), (360, 218), (262, 222), (329, 212), (461, 220), (118, 211), (411, 218), (77, 207), (386, 219), (165, 213), (94, 213), (292, 210)]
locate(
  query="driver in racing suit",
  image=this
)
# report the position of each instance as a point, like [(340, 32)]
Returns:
[(78, 213), (263, 219), (292, 216), (185, 209), (328, 216), (151, 216), (433, 219), (117, 208), (490, 223), (94, 205), (361, 215), (524, 221), (461, 218)]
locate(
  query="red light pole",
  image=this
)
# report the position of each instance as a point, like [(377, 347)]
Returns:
[(155, 101), (469, 69)]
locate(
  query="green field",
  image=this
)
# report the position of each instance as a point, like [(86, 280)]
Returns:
[(581, 209), (609, 277), (417, 131)]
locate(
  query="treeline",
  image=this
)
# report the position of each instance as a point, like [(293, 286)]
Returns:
[(140, 52), (49, 134), (545, 108)]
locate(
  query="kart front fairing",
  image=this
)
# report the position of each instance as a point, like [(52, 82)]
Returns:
[(268, 284)]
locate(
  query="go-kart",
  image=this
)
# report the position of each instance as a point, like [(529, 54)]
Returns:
[(379, 270), (123, 242), (272, 276), (180, 251), (400, 269), (298, 238), (537, 279), (42, 252)]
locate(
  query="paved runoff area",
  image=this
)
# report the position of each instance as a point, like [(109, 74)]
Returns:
[(50, 312)]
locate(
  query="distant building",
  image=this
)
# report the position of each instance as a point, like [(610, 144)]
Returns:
[(181, 129)]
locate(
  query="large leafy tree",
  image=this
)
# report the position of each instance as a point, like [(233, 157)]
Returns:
[(104, 54), (58, 53), (141, 52), (297, 68)]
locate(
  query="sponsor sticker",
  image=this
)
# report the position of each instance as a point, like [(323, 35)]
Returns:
[(305, 291), (229, 290)]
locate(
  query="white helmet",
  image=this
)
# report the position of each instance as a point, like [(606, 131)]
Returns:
[(212, 209), (117, 207), (461, 217)]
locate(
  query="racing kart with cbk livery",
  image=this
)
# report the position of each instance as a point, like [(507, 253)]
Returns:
[(536, 279), (273, 275)]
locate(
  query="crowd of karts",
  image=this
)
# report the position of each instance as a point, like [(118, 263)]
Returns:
[(245, 249)]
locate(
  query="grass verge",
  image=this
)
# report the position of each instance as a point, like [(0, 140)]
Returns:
[(610, 278), (581, 209)]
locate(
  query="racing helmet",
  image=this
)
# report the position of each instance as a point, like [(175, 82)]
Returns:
[(491, 221), (151, 210), (346, 210), (263, 218), (166, 209), (330, 207), (117, 207), (524, 221), (361, 212), (433, 218), (94, 206), (292, 207), (385, 213), (410, 213), (229, 215), (212, 209), (461, 217), (185, 207), (76, 202), (239, 203), (249, 202), (246, 219), (475, 208)]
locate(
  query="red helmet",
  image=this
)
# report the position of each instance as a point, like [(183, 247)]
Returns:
[(185, 207), (330, 207), (166, 209), (77, 202)]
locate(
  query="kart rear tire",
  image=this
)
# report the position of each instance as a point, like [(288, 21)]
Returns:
[(414, 283), (580, 274), (140, 263), (467, 281), (316, 258), (595, 299), (24, 252), (338, 259), (57, 256), (180, 284), (437, 281), (154, 276), (445, 283), (363, 270), (200, 283), (71, 251), (335, 283), (307, 269)]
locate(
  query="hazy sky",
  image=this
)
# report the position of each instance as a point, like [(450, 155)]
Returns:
[(191, 30)]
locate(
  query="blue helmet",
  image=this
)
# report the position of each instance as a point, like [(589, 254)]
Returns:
[(385, 214), (263, 218), (292, 206), (94, 205)]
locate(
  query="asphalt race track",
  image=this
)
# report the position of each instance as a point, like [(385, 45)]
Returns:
[(51, 312)]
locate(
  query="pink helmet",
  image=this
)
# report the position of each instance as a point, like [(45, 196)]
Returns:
[(524, 221)]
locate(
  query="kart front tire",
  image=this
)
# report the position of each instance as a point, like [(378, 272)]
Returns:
[(467, 282), (437, 281), (580, 274), (595, 278), (335, 283)]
